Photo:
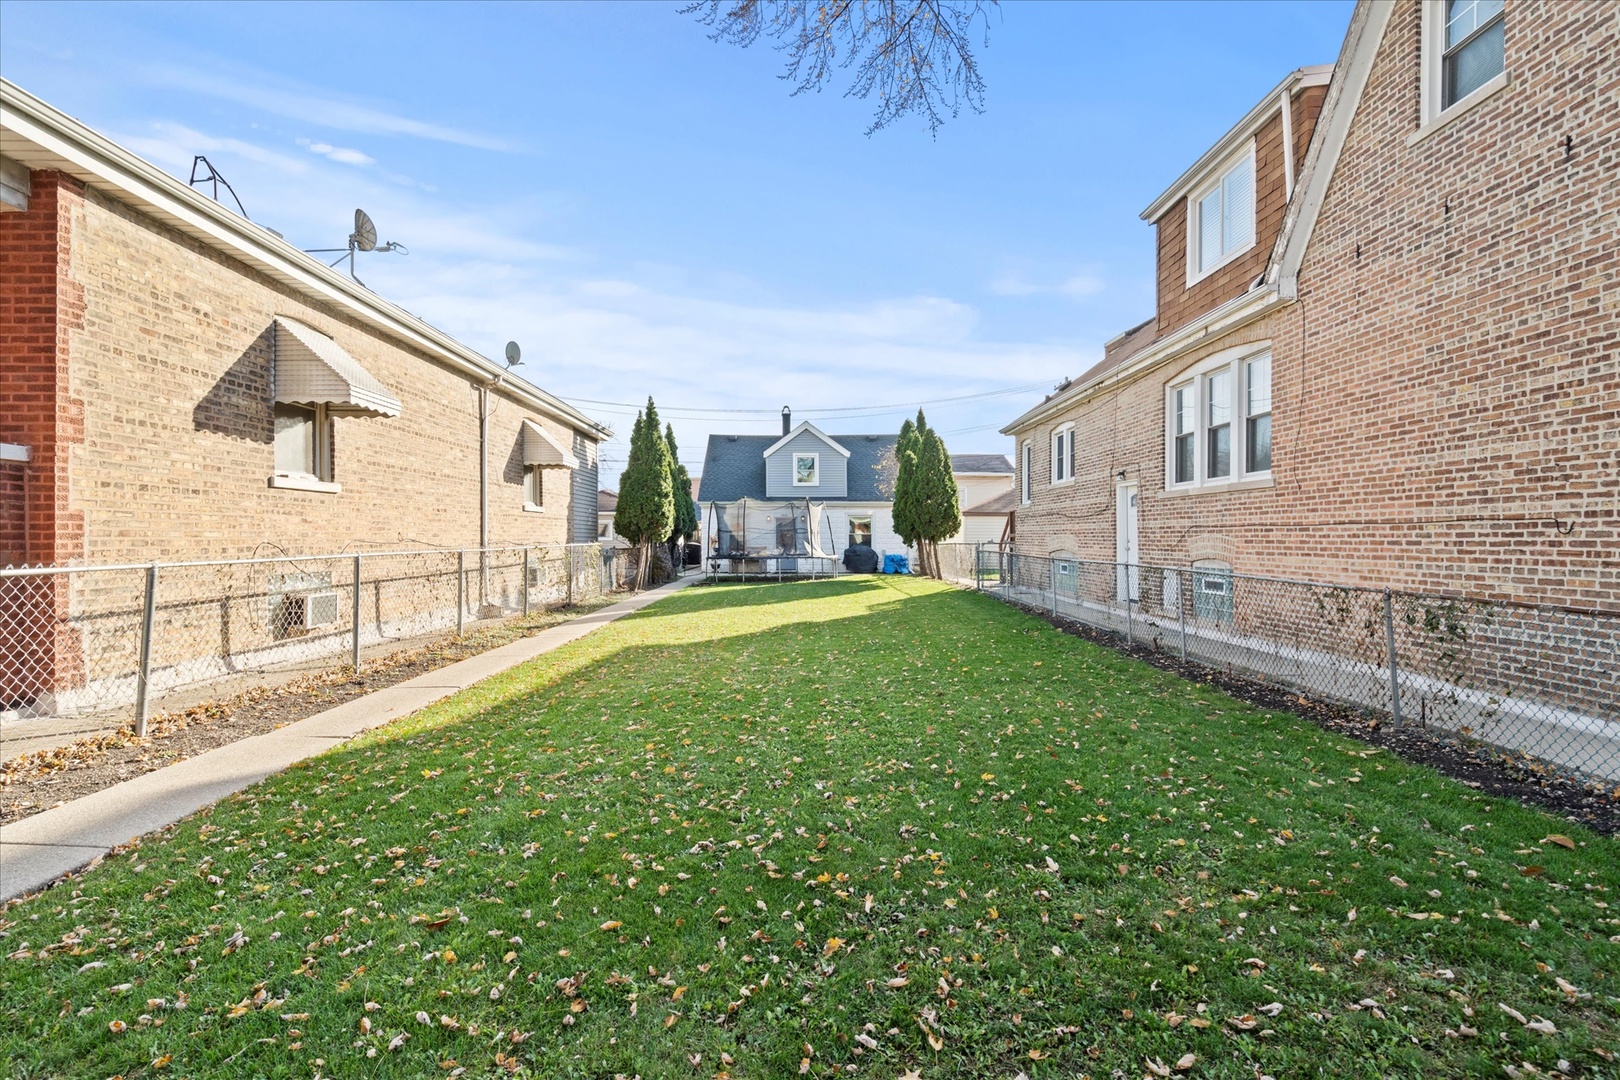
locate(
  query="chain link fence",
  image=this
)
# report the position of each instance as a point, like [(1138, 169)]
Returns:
[(109, 641), (1539, 681)]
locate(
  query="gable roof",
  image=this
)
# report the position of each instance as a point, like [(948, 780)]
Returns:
[(804, 425), (994, 506), (734, 467), (606, 501), (981, 465)]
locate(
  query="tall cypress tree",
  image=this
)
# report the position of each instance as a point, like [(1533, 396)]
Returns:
[(686, 515), (941, 513), (646, 511), (904, 510)]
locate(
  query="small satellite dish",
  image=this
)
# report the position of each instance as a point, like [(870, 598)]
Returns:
[(365, 233), (514, 355)]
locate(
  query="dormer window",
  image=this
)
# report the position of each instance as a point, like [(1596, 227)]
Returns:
[(1220, 217)]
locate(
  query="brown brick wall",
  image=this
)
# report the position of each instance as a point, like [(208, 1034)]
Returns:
[(1447, 400), (172, 364)]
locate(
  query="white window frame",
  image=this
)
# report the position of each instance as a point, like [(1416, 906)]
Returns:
[(534, 483), (321, 480), (1063, 454), (1234, 361), (1433, 114), (850, 530), (1026, 482), (1203, 191), (816, 458)]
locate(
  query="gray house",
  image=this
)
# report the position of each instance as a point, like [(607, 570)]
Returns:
[(851, 477)]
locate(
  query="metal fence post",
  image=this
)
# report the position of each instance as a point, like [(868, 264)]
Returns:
[(978, 576), (1394, 675), (525, 581), (1181, 608), (568, 573), (144, 679), (461, 592), (355, 659), (1130, 616), (1051, 575)]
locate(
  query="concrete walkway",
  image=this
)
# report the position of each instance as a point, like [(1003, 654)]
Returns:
[(37, 850)]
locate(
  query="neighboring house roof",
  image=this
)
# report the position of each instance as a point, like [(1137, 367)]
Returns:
[(994, 506), (981, 465), (734, 467), (696, 481), (43, 137), (607, 501)]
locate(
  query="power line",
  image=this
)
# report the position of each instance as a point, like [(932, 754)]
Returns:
[(845, 411)]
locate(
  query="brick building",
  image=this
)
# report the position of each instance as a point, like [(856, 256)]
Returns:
[(1386, 345), (179, 383)]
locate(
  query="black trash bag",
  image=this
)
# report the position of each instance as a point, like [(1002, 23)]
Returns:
[(860, 559)]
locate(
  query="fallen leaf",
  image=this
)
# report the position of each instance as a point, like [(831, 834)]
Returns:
[(611, 924), (1185, 1062), (1561, 840), (1511, 1011)]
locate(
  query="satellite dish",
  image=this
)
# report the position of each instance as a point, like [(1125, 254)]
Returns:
[(514, 355), (365, 233)]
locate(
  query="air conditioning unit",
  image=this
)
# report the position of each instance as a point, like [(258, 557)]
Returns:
[(307, 611)]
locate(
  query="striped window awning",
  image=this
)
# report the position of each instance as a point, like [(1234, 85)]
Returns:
[(312, 369), (541, 448)]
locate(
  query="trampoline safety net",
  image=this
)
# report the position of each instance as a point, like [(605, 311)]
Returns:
[(756, 529)]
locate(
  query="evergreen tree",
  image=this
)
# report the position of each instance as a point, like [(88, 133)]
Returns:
[(905, 482), (686, 512), (646, 510), (940, 513)]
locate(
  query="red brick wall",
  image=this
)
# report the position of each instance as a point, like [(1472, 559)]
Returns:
[(1447, 391)]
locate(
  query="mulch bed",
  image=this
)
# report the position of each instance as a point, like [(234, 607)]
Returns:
[(1566, 794), (45, 778)]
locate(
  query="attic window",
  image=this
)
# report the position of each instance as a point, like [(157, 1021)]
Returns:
[(1220, 217)]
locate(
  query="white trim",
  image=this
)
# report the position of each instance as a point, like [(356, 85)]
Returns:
[(1195, 225), (1486, 90), (1367, 25), (1431, 77), (1065, 457), (794, 473), (1255, 482), (1285, 109), (1253, 121), (296, 482), (43, 137), (1026, 482), (15, 452), (804, 425), (1233, 361)]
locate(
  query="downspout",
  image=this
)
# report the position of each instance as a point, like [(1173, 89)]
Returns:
[(1285, 106)]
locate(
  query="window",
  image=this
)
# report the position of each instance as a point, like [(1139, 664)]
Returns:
[(806, 470), (1475, 47), (303, 442), (860, 531), (1212, 592), (1185, 411), (1218, 422), (1063, 454), (1025, 478), (534, 487), (1218, 397), (1257, 419), (1220, 224)]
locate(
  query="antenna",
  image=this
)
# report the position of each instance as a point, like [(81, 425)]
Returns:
[(213, 177), (364, 238), (514, 355)]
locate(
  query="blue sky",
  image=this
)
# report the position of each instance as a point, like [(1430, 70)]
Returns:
[(648, 212)]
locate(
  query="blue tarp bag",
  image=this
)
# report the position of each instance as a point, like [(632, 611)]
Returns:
[(896, 564)]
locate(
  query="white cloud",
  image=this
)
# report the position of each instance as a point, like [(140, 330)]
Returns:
[(174, 145), (315, 108), (343, 155)]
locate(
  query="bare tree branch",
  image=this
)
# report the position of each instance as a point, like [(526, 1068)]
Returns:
[(914, 56)]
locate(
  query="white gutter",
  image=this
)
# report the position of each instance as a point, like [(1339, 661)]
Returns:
[(1232, 315), (103, 163)]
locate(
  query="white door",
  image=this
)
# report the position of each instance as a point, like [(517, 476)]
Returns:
[(1127, 550)]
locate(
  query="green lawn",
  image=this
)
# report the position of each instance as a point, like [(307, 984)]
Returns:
[(865, 826)]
